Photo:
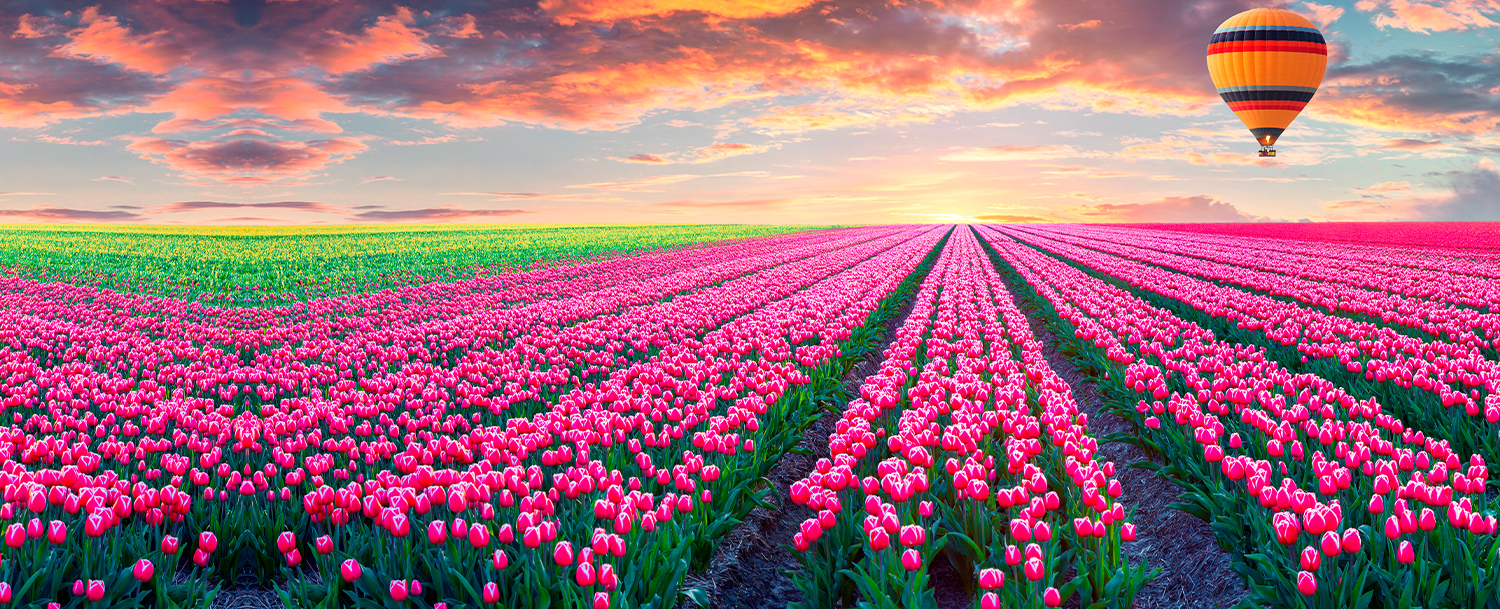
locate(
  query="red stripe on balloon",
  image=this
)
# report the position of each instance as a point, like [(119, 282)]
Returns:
[(1267, 105), (1274, 46)]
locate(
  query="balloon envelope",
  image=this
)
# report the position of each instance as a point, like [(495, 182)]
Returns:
[(1267, 64)]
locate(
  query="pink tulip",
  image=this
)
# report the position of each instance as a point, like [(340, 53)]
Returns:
[(1405, 554), (143, 570), (1307, 584), (350, 570), (286, 541), (990, 579), (911, 560)]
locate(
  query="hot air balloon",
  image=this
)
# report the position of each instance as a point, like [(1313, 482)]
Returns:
[(1267, 63)]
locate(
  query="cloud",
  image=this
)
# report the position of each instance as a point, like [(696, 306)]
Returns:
[(1472, 196), (20, 194), (1386, 187), (1425, 17), (435, 139), (35, 26), (568, 12), (653, 183), (704, 154), (379, 179), (246, 161), (1200, 208), (446, 212), (1195, 152), (647, 184), (1010, 219), (48, 212), (103, 39), (1447, 96), (192, 206), (836, 115), (1322, 14), (644, 158), (392, 39), (206, 103), (66, 140), (541, 196), (1410, 144), (736, 204), (1013, 152), (113, 179), (1082, 25)]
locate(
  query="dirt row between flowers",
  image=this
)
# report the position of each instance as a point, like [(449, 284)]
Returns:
[(1196, 572), (751, 566)]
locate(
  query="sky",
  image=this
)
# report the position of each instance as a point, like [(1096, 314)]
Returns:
[(738, 111)]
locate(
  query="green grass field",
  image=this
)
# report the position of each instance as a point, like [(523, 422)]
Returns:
[(247, 264)]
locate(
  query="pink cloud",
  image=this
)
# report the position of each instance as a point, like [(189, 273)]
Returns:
[(704, 154), (204, 103), (643, 157), (192, 206), (246, 161), (447, 212), (392, 39), (1082, 25), (48, 212), (103, 39), (1200, 208), (1386, 187), (745, 204), (1425, 18), (35, 26), (568, 12), (1013, 152), (1322, 14)]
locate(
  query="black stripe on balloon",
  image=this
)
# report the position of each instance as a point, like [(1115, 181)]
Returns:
[(1293, 96), (1292, 35)]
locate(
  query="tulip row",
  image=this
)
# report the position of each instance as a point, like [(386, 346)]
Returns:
[(1020, 497), (1323, 499), (1470, 240), (517, 417), (1446, 389)]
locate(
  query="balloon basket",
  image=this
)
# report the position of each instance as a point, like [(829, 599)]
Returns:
[(1267, 151)]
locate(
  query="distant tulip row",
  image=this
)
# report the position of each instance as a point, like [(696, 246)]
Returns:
[(1396, 289), (1326, 500), (1461, 381)]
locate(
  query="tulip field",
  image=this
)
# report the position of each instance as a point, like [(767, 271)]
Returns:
[(540, 416)]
